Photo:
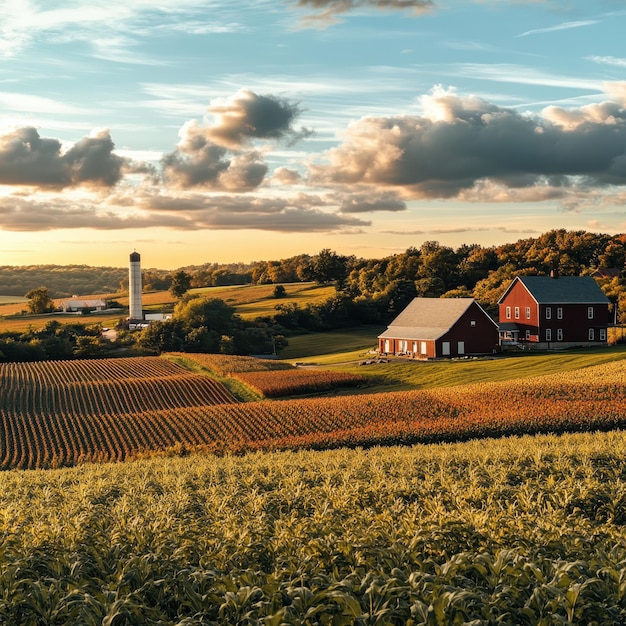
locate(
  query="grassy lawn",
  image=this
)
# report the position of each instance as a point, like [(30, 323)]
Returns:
[(347, 349), (337, 346)]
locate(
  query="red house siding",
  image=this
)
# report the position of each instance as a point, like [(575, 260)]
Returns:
[(519, 299), (555, 322), (478, 334), (574, 323)]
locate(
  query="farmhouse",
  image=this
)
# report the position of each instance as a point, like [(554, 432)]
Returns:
[(75, 305), (429, 328), (552, 312)]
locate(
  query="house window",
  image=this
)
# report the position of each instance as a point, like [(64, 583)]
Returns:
[(460, 347), (559, 334), (559, 313), (603, 334), (527, 312), (445, 348), (473, 323), (508, 312), (548, 334), (527, 334), (516, 312), (414, 347), (403, 345), (423, 347), (548, 312), (590, 312), (591, 334)]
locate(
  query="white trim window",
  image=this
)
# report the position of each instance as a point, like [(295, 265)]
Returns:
[(603, 334), (423, 347), (548, 334), (548, 312), (592, 334), (527, 334), (527, 312), (589, 312), (559, 334), (516, 312), (508, 312), (445, 348), (559, 313)]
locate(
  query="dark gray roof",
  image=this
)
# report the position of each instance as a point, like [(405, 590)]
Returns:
[(508, 326), (427, 318), (562, 290)]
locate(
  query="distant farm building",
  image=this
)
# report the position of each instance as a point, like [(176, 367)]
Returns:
[(75, 305), (430, 328), (552, 312)]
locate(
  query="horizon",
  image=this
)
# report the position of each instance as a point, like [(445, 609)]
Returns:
[(233, 134)]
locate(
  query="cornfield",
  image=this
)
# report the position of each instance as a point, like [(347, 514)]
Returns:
[(274, 379), (510, 531), (65, 413)]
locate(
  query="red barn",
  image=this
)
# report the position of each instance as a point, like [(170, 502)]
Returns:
[(429, 328), (552, 312)]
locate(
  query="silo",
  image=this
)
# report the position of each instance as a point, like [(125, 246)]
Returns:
[(135, 309)]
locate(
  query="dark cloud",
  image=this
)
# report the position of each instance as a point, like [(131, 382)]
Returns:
[(247, 115), (301, 213), (325, 11), (461, 142), (26, 215), (28, 159), (368, 201), (199, 162)]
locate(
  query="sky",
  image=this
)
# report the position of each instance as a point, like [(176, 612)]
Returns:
[(216, 132)]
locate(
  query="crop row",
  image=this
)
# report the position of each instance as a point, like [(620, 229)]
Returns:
[(279, 383), (87, 370), (593, 400), (227, 364)]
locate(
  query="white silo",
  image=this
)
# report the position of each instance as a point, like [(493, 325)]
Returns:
[(135, 308)]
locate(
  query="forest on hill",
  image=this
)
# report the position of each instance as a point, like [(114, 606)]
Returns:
[(434, 268), (366, 292)]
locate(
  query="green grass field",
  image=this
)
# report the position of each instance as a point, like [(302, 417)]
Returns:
[(12, 300), (249, 301)]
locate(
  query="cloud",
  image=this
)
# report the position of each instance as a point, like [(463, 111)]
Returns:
[(460, 142), (368, 201), (300, 213), (218, 156), (247, 115), (608, 60), (199, 162), (34, 215), (562, 26), (326, 11), (28, 159)]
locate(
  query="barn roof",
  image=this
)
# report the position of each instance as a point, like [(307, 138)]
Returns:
[(562, 290), (427, 318)]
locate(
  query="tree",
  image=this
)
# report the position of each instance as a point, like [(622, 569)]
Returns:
[(328, 266), (280, 291), (40, 300), (181, 283)]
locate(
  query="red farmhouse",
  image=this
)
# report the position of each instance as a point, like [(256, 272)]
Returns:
[(552, 312), (429, 328)]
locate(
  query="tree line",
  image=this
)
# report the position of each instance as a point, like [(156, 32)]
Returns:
[(368, 291)]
